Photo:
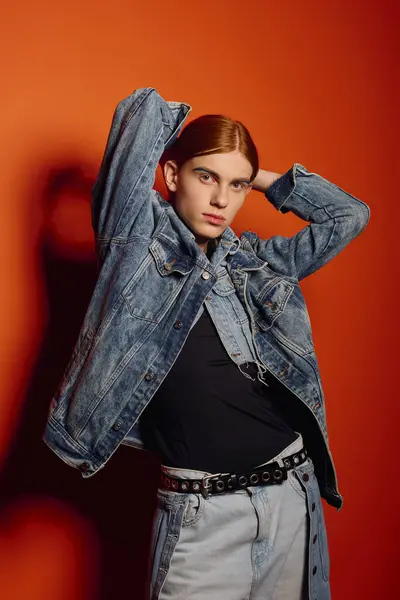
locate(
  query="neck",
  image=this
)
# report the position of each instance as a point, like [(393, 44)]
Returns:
[(204, 244)]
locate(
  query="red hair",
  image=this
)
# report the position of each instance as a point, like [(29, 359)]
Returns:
[(212, 134)]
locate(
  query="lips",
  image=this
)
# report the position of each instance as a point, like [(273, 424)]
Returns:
[(217, 219)]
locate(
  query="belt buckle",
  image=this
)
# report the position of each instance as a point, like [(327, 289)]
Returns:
[(205, 485)]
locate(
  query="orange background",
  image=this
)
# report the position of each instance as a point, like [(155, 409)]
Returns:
[(316, 84)]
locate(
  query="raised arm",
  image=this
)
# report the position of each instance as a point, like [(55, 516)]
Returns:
[(336, 217), (143, 125)]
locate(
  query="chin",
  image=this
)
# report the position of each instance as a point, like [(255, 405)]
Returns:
[(212, 230), (206, 231)]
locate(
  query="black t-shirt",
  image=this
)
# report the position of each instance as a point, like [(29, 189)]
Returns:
[(209, 416)]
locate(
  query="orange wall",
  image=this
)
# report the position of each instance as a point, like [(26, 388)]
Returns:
[(315, 83)]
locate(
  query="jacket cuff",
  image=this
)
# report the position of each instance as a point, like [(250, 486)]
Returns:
[(279, 192)]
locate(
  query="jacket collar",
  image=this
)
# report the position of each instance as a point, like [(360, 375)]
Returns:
[(228, 239), (179, 241)]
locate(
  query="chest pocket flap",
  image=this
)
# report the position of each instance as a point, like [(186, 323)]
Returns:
[(224, 285), (272, 302), (168, 261)]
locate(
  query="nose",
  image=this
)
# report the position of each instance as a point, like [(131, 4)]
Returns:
[(220, 198)]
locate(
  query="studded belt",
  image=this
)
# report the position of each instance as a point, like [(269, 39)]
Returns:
[(218, 483)]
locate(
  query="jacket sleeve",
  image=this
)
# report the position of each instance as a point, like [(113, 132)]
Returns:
[(335, 218), (143, 126)]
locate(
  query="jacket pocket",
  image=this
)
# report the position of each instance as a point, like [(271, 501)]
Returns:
[(225, 290), (154, 288), (272, 301), (282, 311)]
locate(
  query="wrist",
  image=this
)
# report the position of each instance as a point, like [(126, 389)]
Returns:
[(264, 179)]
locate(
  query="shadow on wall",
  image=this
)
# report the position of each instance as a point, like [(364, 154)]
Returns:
[(120, 500)]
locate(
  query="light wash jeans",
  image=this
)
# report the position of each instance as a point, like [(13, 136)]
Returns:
[(259, 543)]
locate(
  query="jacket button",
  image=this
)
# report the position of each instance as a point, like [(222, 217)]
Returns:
[(167, 266), (313, 506), (84, 467), (149, 376), (178, 324), (205, 275), (117, 425), (306, 477)]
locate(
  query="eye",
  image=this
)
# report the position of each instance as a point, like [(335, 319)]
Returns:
[(203, 175), (240, 185)]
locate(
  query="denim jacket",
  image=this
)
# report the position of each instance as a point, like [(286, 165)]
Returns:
[(154, 280)]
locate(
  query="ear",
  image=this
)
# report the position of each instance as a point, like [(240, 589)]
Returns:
[(170, 172)]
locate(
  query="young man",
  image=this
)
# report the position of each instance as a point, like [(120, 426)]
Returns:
[(197, 345)]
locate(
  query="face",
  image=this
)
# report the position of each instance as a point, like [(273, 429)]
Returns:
[(216, 184)]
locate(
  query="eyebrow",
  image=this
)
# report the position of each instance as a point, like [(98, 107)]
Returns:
[(244, 180)]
